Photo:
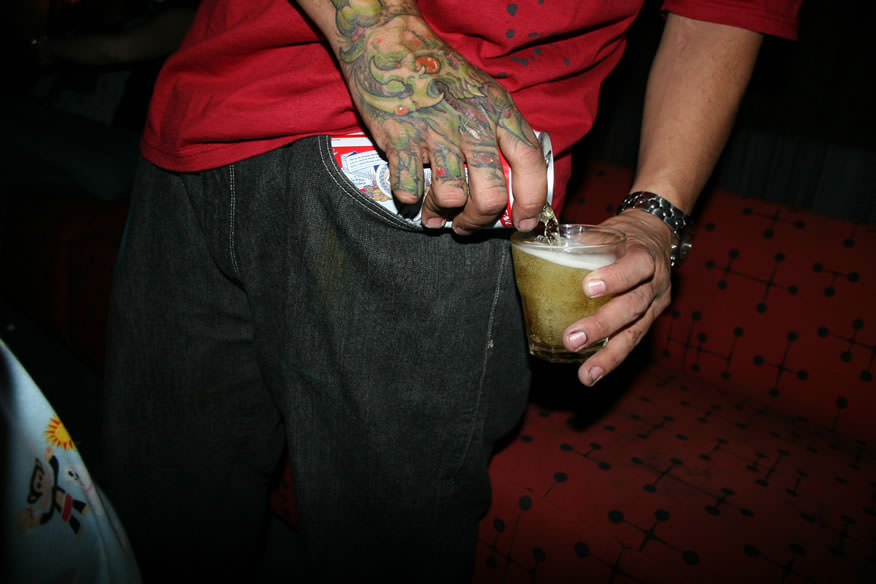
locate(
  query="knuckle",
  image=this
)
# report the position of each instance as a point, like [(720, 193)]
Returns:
[(622, 345), (642, 253), (662, 302), (612, 356), (448, 194), (598, 327), (531, 203), (531, 154), (640, 301), (633, 336), (649, 259), (490, 201)]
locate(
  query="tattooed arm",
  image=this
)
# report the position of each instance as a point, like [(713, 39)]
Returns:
[(424, 103)]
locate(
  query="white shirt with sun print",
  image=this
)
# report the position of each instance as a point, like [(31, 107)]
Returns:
[(58, 525)]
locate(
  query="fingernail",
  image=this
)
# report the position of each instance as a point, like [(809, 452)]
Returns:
[(434, 223), (595, 374), (578, 340), (595, 288), (528, 224)]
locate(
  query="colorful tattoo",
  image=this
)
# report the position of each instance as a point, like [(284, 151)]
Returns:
[(398, 69)]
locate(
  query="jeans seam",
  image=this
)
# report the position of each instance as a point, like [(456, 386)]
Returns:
[(491, 323), (232, 219)]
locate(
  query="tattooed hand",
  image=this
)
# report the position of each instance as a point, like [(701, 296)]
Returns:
[(425, 104)]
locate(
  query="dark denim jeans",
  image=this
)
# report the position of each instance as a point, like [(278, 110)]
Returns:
[(269, 307)]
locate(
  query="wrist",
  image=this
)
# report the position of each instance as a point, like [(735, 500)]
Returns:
[(676, 220)]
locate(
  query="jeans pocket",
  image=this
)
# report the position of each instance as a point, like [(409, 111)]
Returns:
[(377, 202)]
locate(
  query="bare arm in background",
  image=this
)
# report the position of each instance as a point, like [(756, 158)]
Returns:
[(424, 103), (695, 86)]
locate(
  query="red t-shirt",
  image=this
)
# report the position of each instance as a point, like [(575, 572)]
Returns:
[(252, 76)]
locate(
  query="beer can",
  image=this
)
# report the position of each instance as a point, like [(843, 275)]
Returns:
[(364, 165)]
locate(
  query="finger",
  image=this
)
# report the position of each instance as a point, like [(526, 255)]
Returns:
[(449, 190), (406, 173), (615, 315), (488, 192), (634, 267), (615, 351), (528, 175)]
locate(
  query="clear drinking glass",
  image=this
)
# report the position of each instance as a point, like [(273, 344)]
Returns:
[(549, 276)]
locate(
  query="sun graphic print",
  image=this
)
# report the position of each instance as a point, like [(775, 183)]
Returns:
[(56, 434)]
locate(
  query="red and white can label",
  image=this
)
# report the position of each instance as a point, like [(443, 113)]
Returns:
[(366, 168)]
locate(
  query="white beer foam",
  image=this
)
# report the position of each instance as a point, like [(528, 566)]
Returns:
[(569, 257)]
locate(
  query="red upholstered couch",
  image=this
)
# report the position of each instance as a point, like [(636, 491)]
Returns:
[(736, 444)]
